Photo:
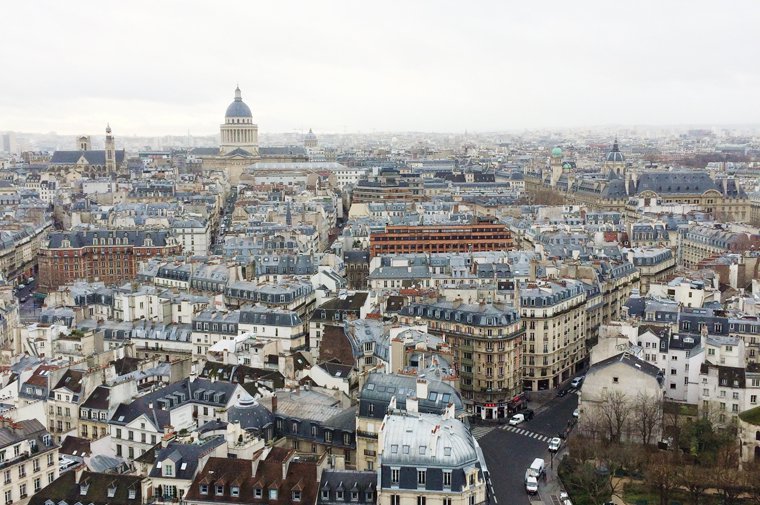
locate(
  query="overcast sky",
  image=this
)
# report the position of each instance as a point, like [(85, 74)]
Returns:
[(166, 67)]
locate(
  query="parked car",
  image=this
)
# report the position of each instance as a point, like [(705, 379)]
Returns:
[(577, 382), (554, 444), (531, 485), (516, 419), (562, 392), (21, 286), (528, 413), (564, 499)]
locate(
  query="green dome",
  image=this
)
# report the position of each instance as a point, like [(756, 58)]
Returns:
[(556, 152)]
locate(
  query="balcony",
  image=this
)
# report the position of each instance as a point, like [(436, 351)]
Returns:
[(366, 434)]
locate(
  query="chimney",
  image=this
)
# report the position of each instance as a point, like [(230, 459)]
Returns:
[(274, 403), (422, 389), (449, 412), (412, 404)]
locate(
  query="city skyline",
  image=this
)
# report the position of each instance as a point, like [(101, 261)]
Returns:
[(351, 69)]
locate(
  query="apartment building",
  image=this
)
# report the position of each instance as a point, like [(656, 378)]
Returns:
[(487, 343), (111, 256), (28, 459), (402, 392), (554, 346), (429, 457), (654, 264)]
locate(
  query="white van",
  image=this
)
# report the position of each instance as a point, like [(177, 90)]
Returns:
[(536, 469)]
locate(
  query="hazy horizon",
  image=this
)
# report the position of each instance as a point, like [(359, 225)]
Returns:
[(163, 69)]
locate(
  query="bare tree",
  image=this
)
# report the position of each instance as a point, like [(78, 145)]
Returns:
[(661, 474), (614, 413), (727, 478), (695, 479), (646, 420)]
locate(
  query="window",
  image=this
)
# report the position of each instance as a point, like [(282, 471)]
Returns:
[(395, 499), (7, 477), (37, 484), (272, 494), (8, 497), (219, 490), (168, 470), (421, 500), (615, 380), (258, 492), (234, 491), (296, 495), (447, 478), (132, 493), (394, 475), (447, 501), (204, 488), (421, 477), (328, 436)]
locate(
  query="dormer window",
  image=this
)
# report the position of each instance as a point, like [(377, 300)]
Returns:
[(325, 494), (339, 494), (296, 495), (219, 489), (203, 489), (354, 495), (132, 494), (235, 490), (258, 492), (273, 494), (168, 470), (111, 490), (83, 488)]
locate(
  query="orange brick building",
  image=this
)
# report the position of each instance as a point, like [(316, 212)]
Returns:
[(481, 235), (110, 256)]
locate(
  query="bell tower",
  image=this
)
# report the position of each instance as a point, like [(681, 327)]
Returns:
[(110, 152)]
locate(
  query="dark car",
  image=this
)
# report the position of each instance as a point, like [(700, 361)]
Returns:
[(562, 392), (527, 413)]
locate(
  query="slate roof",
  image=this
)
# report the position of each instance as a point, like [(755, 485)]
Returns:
[(150, 404), (362, 482), (380, 388), (630, 360), (251, 415), (83, 238), (92, 157), (184, 456)]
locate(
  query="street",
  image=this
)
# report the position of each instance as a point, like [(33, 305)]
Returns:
[(25, 297), (509, 450)]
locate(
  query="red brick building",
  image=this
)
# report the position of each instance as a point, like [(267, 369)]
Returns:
[(110, 256), (481, 235)]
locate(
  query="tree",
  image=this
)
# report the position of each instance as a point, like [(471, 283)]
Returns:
[(646, 420), (695, 479), (661, 474), (727, 478), (614, 412)]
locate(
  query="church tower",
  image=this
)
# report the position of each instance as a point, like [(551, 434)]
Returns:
[(110, 152), (84, 143), (555, 166)]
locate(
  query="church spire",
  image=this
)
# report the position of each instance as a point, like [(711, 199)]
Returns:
[(238, 95)]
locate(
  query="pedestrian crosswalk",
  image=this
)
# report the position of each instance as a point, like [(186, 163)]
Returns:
[(481, 431), (526, 433)]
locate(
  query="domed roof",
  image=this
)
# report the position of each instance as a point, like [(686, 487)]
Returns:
[(238, 108), (556, 152), (615, 155), (250, 414), (311, 135)]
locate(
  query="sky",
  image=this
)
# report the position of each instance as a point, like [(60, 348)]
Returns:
[(171, 67)]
